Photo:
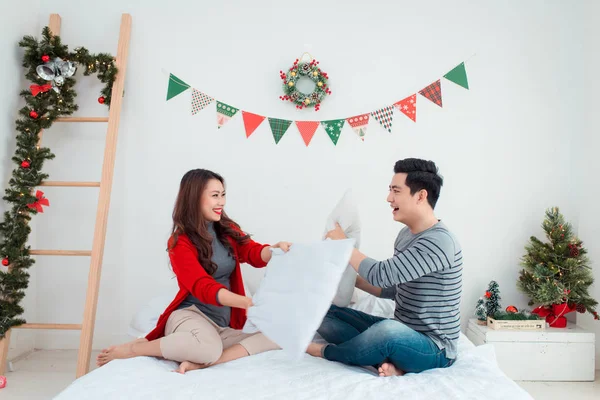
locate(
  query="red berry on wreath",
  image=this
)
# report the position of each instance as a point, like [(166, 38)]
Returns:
[(101, 99), (45, 58), (33, 114), (580, 308), (5, 262), (25, 164)]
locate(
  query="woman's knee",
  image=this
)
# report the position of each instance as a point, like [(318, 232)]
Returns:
[(205, 350)]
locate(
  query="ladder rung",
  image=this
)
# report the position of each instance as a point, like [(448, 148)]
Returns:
[(82, 119), (60, 253), (67, 327), (70, 184)]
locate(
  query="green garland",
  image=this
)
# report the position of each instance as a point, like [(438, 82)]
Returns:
[(40, 112), (309, 70)]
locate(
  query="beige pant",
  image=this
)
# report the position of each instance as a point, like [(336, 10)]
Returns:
[(192, 336)]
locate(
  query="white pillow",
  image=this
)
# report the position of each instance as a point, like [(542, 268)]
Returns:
[(296, 293), (144, 321), (345, 213)]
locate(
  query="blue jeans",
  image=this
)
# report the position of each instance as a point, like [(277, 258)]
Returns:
[(361, 339)]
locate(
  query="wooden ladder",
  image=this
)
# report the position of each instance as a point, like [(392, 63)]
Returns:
[(105, 185)]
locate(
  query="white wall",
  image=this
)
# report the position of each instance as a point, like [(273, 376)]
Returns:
[(14, 21), (505, 147), (589, 165)]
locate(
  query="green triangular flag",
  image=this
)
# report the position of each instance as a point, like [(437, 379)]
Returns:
[(333, 129), (279, 127), (224, 113), (458, 75), (176, 86)]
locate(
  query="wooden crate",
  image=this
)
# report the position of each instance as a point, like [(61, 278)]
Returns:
[(518, 325)]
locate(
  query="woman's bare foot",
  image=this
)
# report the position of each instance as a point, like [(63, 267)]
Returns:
[(189, 366), (388, 369), (315, 350), (116, 352)]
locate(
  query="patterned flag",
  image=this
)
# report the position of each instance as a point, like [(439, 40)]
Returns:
[(176, 86), (433, 92), (359, 123), (224, 113), (408, 106), (251, 122), (200, 101), (279, 127), (384, 116), (307, 129), (333, 129), (458, 75)]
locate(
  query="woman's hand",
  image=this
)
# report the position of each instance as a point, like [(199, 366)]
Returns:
[(230, 299), (266, 253), (285, 246), (337, 233)]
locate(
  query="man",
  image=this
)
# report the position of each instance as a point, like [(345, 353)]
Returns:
[(424, 277)]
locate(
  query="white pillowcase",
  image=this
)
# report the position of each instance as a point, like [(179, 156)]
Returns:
[(345, 213), (296, 293)]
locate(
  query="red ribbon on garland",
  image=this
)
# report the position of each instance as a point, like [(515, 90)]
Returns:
[(37, 89), (41, 201)]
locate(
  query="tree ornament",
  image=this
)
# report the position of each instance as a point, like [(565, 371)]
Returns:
[(56, 71), (45, 58), (33, 114), (493, 299), (481, 312), (3, 381), (488, 294), (512, 309), (5, 261), (25, 164), (101, 99)]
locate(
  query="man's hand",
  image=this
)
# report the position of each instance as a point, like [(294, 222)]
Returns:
[(337, 233)]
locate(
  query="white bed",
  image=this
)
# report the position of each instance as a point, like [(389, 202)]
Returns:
[(475, 375)]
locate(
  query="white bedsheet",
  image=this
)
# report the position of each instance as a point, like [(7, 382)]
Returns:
[(475, 375)]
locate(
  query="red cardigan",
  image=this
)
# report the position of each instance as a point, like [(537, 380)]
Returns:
[(192, 278)]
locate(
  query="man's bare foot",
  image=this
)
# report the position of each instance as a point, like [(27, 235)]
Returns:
[(388, 369), (189, 366), (315, 349), (116, 352)]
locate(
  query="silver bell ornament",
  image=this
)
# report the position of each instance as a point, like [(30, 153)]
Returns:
[(56, 71)]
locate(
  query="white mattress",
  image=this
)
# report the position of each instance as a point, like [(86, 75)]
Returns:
[(475, 375)]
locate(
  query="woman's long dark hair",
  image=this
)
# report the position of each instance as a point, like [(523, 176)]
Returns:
[(188, 219)]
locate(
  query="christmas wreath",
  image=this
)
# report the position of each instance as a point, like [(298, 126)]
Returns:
[(305, 70), (50, 67)]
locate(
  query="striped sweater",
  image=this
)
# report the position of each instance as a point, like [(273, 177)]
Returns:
[(425, 278)]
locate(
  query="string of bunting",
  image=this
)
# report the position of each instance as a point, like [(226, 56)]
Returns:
[(359, 123)]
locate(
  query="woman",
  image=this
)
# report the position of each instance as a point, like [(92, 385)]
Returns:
[(202, 325)]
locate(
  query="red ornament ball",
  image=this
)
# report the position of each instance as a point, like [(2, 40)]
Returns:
[(33, 114), (5, 262), (2, 381), (25, 164), (101, 99), (512, 309), (45, 58), (488, 294)]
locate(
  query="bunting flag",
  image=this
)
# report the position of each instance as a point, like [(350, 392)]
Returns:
[(224, 113), (433, 93), (359, 123), (251, 122), (458, 75), (279, 127), (176, 86), (384, 116), (408, 106), (307, 129), (199, 101), (333, 129)]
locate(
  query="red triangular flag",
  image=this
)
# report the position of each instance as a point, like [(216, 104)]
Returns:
[(307, 129), (251, 122), (433, 93), (408, 106)]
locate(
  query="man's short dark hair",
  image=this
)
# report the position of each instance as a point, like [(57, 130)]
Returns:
[(421, 174)]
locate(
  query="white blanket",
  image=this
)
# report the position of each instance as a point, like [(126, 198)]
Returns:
[(271, 375)]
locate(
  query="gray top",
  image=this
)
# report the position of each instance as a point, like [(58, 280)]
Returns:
[(424, 277), (226, 264)]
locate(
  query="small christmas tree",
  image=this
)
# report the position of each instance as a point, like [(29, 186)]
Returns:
[(492, 295), (481, 310), (557, 272)]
